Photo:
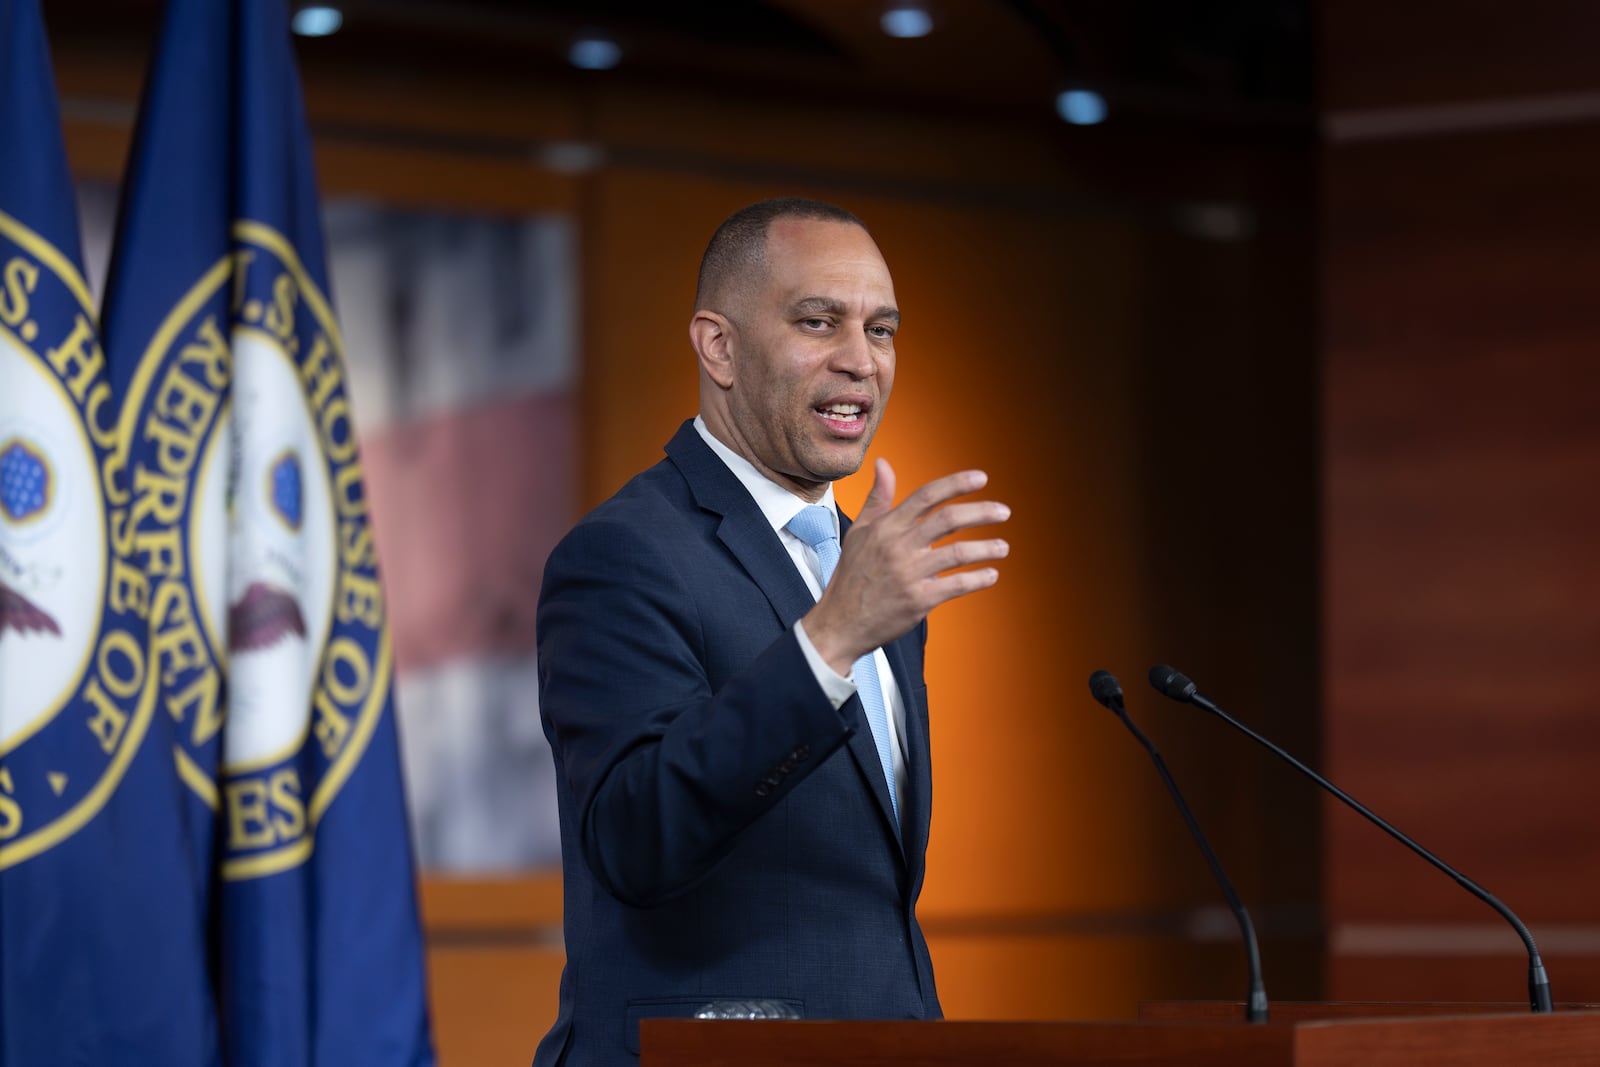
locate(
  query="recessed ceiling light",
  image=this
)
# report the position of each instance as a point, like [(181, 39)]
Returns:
[(594, 53), (318, 20), (1081, 107), (907, 20)]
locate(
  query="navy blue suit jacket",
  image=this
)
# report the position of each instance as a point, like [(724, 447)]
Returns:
[(725, 832)]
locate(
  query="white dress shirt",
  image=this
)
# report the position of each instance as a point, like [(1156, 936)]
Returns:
[(779, 506)]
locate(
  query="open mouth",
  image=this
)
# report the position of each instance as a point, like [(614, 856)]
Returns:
[(846, 414)]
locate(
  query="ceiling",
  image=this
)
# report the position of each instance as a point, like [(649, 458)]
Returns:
[(1155, 61)]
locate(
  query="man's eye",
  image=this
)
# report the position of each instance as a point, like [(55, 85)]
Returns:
[(882, 333), (814, 324)]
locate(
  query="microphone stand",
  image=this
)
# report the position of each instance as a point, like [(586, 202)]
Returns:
[(1172, 684), (1108, 692)]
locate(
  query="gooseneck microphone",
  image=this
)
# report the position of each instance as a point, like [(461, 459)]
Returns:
[(1171, 683), (1105, 688)]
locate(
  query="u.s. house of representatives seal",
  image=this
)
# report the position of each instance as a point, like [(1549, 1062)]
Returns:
[(249, 500), (76, 686)]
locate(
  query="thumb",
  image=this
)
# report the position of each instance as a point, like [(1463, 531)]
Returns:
[(881, 499)]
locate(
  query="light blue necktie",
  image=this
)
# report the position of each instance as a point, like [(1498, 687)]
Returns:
[(814, 526)]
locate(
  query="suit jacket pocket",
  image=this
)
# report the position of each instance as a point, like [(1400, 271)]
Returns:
[(687, 1007)]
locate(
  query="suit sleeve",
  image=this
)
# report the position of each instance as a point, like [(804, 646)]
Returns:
[(664, 772)]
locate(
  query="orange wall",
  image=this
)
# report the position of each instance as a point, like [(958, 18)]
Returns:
[(1058, 874)]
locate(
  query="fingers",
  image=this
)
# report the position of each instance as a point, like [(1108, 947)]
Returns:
[(890, 574), (926, 515), (963, 553), (880, 500), (954, 517), (950, 586), (940, 490), (927, 498)]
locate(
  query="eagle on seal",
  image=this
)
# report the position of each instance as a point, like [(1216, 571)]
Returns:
[(19, 613), (263, 617)]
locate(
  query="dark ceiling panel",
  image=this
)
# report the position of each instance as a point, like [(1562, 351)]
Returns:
[(1158, 61)]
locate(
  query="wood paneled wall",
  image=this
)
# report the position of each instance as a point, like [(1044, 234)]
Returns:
[(1461, 237), (1135, 375)]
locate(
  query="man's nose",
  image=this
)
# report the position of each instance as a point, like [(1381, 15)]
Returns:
[(855, 357)]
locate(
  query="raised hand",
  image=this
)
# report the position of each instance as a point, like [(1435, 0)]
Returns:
[(890, 574)]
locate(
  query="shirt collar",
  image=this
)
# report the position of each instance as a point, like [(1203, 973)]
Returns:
[(778, 504)]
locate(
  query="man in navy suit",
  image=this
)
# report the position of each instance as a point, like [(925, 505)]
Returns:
[(737, 710)]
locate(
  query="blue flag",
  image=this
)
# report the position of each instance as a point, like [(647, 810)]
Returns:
[(249, 518), (103, 892)]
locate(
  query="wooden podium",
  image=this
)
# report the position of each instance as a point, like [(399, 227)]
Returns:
[(1194, 1034)]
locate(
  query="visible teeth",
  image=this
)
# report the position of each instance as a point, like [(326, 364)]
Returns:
[(843, 409)]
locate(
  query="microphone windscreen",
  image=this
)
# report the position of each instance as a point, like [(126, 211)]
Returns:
[(1105, 688), (1171, 682)]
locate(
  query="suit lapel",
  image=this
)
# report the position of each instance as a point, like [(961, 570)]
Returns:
[(743, 529), (864, 749), (919, 788), (745, 532)]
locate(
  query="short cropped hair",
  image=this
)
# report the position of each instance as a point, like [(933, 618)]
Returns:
[(737, 252)]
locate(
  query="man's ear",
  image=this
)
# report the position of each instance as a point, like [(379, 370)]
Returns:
[(711, 335)]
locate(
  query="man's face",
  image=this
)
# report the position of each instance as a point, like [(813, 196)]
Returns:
[(813, 354)]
